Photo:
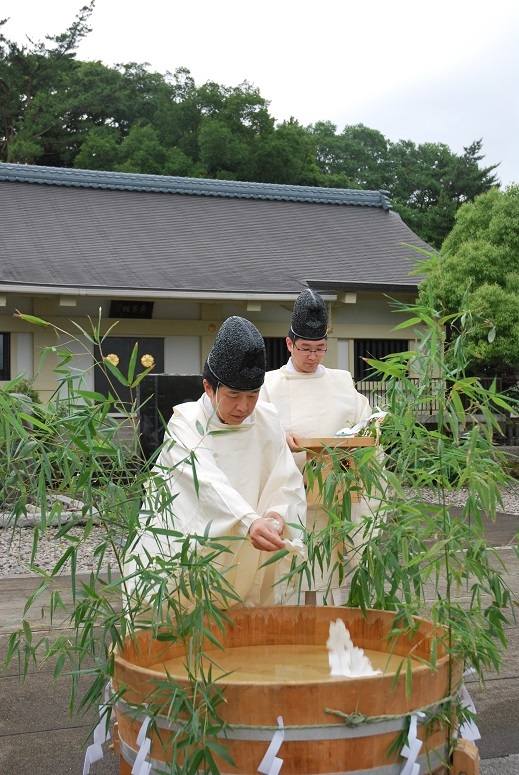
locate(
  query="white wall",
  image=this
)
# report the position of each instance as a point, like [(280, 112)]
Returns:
[(182, 355), (81, 362), (367, 312), (176, 310), (23, 349), (343, 354)]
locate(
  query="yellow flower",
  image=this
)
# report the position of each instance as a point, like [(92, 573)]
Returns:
[(113, 358), (148, 361)]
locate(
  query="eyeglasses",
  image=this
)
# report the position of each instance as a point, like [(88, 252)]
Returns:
[(317, 351)]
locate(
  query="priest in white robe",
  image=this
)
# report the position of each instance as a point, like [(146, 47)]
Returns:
[(226, 462), (316, 402)]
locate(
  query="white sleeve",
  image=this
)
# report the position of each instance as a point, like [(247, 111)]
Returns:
[(203, 494), (284, 490)]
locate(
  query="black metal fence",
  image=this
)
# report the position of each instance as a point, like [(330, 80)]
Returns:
[(375, 391), (510, 432)]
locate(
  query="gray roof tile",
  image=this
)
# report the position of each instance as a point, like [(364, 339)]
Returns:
[(121, 233)]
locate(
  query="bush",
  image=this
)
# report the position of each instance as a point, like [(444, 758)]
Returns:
[(24, 387)]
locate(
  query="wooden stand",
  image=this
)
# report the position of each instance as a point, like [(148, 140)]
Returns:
[(465, 760), (317, 450)]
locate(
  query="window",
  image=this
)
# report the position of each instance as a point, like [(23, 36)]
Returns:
[(5, 356), (118, 350), (374, 348)]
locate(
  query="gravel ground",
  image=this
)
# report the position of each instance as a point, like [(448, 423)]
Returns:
[(16, 546), (510, 497)]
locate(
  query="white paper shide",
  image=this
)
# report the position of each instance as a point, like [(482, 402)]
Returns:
[(344, 658)]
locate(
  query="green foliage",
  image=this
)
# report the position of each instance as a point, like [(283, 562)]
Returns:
[(416, 554), (287, 156), (358, 157), (431, 183), (437, 438), (71, 447), (23, 386), (427, 183), (482, 251), (34, 84), (99, 150), (141, 152)]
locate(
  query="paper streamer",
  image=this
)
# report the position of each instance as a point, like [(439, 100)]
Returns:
[(94, 752), (412, 749), (140, 765), (295, 546), (468, 730), (271, 764)]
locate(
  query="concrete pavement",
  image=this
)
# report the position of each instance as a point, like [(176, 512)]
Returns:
[(38, 736)]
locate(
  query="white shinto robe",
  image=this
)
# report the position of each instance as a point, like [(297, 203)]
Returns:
[(315, 406), (242, 474)]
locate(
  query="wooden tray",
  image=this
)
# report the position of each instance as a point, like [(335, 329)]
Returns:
[(336, 441), (317, 448)]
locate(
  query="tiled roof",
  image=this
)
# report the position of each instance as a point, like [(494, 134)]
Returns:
[(117, 232), (162, 184)]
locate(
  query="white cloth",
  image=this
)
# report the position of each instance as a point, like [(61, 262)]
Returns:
[(241, 474), (315, 406), (290, 367)]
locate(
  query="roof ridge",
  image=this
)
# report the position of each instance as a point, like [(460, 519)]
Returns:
[(65, 176)]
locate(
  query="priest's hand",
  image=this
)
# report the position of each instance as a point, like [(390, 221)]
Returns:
[(265, 534), (292, 442)]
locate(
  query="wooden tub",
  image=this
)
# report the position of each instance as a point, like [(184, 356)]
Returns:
[(317, 739)]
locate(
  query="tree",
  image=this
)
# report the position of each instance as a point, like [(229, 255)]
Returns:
[(357, 158), (430, 183), (482, 251), (287, 155), (141, 152), (99, 150), (426, 183), (32, 80)]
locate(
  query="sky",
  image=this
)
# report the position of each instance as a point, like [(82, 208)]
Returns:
[(441, 72)]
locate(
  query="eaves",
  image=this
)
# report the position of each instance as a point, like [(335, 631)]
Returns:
[(147, 293)]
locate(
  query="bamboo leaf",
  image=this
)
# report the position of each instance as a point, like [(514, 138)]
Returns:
[(32, 319), (63, 560), (132, 364), (195, 476), (92, 395), (115, 371), (140, 377)]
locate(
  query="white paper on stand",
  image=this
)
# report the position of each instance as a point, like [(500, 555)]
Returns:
[(376, 418)]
